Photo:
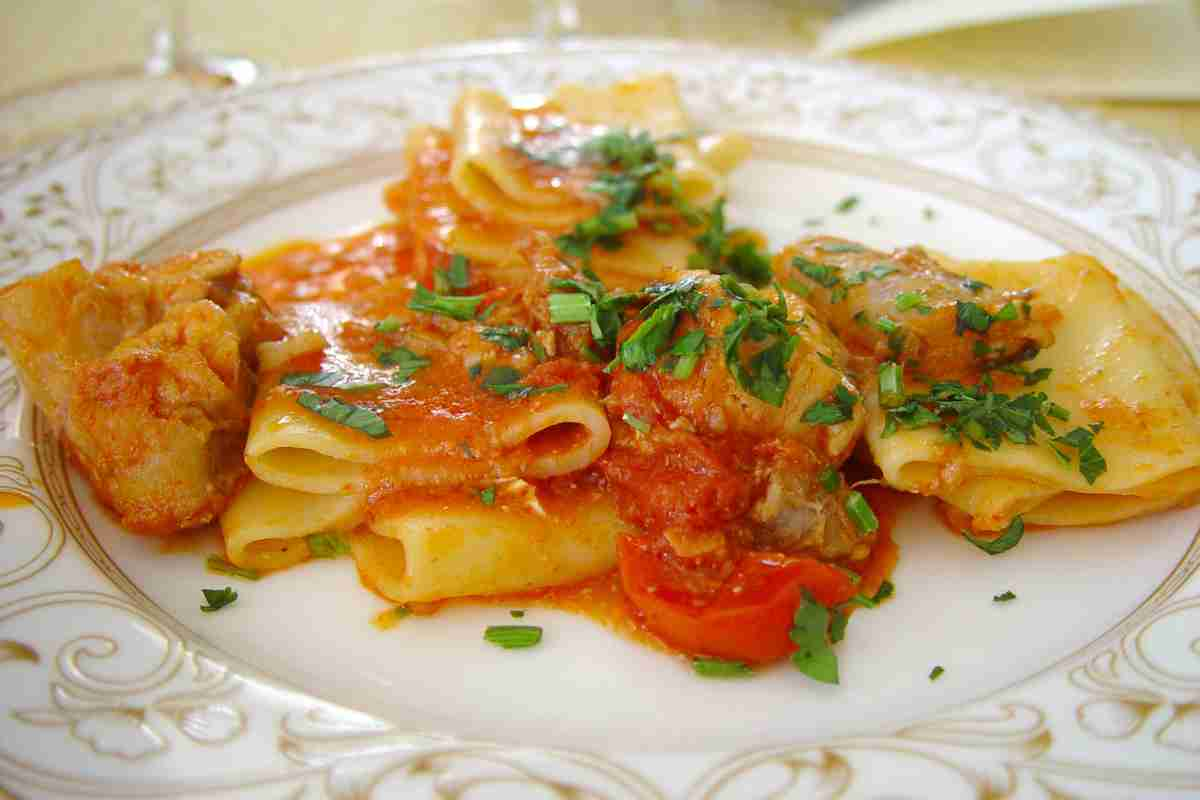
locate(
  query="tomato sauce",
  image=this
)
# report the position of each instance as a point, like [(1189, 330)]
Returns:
[(690, 578)]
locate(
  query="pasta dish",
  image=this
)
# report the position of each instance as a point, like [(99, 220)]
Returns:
[(558, 364)]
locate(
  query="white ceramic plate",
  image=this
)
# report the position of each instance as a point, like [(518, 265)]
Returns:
[(113, 683)]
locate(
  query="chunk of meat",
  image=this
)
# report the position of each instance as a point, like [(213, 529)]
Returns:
[(148, 373), (732, 452), (905, 307), (159, 424)]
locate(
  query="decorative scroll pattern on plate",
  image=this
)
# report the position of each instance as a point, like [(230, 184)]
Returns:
[(145, 713)]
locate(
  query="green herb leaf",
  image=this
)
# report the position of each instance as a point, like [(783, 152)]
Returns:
[(488, 496), (568, 309), (748, 263), (505, 381), (512, 637), (830, 479), (326, 379), (456, 307), (220, 566), (971, 317), (1091, 463), (891, 384), (638, 424), (719, 668), (642, 348), (1005, 597), (387, 325), (516, 613), (511, 337), (936, 673), (837, 625), (974, 286), (406, 362), (846, 204), (688, 349), (814, 654), (1006, 314), (1004, 542), (840, 410), (326, 545), (842, 247), (821, 274), (860, 513), (909, 301), (711, 243), (458, 275), (352, 416), (216, 599)]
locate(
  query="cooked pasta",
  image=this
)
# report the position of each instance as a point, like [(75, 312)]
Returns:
[(558, 362)]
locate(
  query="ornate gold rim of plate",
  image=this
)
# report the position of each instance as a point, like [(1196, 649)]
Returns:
[(1119, 717)]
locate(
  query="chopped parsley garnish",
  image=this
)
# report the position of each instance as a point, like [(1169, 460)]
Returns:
[(929, 214), (513, 637), (1091, 463), (641, 349), (891, 384), (635, 160), (875, 273), (971, 317), (510, 337), (814, 654), (974, 286), (1006, 541), (720, 668), (311, 379), (838, 618), (886, 325), (455, 307), (711, 243), (822, 274), (406, 362), (216, 599), (745, 261), (326, 545), (847, 204), (1004, 598), (457, 276), (840, 410), (913, 301), (639, 352), (886, 590), (388, 325), (842, 247), (220, 566), (1031, 377), (516, 613), (566, 309), (986, 419), (687, 351), (830, 479), (352, 416), (936, 673), (488, 496), (590, 303), (757, 320), (717, 252), (506, 382), (860, 513), (329, 380), (637, 423)]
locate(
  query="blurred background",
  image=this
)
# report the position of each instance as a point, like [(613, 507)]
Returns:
[(68, 64)]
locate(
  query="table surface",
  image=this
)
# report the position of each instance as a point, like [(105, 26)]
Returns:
[(53, 44)]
